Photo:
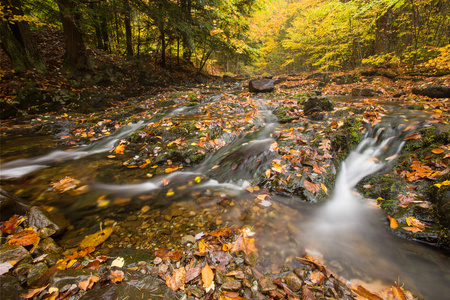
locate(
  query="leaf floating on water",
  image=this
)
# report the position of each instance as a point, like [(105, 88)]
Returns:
[(177, 279), (438, 151), (312, 187), (93, 240), (393, 222)]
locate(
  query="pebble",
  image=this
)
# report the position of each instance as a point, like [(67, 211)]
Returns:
[(266, 284), (293, 282), (188, 239), (232, 285)]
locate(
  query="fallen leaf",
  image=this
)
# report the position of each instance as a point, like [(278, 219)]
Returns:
[(120, 149), (24, 238), (93, 240), (412, 229), (118, 262), (393, 222), (4, 267), (317, 277), (307, 294), (447, 182), (437, 151), (411, 221), (312, 187), (33, 292), (324, 188), (207, 276), (88, 283), (117, 276), (177, 279), (398, 293), (413, 136), (12, 223)]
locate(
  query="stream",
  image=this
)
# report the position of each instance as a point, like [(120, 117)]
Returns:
[(345, 232)]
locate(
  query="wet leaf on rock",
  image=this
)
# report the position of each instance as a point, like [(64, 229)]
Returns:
[(437, 151), (393, 222), (88, 283), (117, 276), (312, 187), (4, 267), (207, 277), (24, 238), (177, 279), (12, 223), (33, 292), (307, 294)]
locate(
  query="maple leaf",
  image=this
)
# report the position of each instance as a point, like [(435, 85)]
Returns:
[(312, 187), (243, 243), (24, 238)]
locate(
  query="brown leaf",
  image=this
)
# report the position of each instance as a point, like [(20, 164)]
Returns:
[(312, 187), (177, 279), (33, 292), (412, 229), (245, 244), (365, 293), (117, 276), (307, 294), (398, 293), (317, 277), (24, 238)]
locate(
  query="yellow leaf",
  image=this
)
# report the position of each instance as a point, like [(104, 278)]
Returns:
[(198, 179), (201, 246), (93, 240), (393, 222), (170, 193), (120, 149), (324, 188), (411, 221), (447, 182), (177, 279), (207, 276), (268, 173)]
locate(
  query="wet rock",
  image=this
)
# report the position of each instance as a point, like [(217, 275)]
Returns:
[(188, 239), (261, 85), (293, 282), (345, 79), (228, 79), (232, 285), (48, 245), (11, 205), (280, 80), (196, 291), (62, 278), (135, 286), (13, 254), (35, 272), (363, 92), (317, 104), (435, 91), (219, 277), (200, 79), (318, 116), (10, 288), (301, 273), (40, 219), (251, 259), (325, 77), (266, 284)]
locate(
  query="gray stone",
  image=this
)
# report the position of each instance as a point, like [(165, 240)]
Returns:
[(293, 282), (40, 219), (48, 245), (432, 91), (10, 289), (363, 92), (261, 85), (317, 104)]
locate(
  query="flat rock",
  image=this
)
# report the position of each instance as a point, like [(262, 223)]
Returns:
[(317, 104), (13, 253), (363, 92), (266, 284)]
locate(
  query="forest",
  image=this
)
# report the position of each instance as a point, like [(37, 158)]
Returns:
[(238, 37), (225, 149)]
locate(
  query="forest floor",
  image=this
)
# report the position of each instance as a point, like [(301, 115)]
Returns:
[(225, 262)]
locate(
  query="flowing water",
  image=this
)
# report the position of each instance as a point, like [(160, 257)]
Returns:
[(350, 236)]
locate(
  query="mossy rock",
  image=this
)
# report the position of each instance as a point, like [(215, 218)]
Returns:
[(282, 115), (165, 103)]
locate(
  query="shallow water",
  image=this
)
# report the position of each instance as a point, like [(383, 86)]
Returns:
[(348, 235)]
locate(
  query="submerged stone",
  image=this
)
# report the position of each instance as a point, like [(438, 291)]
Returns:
[(293, 282)]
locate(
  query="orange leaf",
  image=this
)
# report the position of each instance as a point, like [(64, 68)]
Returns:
[(393, 222), (312, 187), (12, 223), (437, 151), (207, 276), (413, 136), (117, 276), (268, 173), (88, 283), (120, 149), (24, 238), (398, 293), (324, 188), (177, 279), (412, 229)]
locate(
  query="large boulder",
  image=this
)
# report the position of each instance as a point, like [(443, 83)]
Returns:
[(261, 85), (432, 91)]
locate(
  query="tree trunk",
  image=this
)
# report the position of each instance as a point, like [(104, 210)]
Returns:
[(128, 32), (18, 41), (383, 32), (75, 58), (163, 48)]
